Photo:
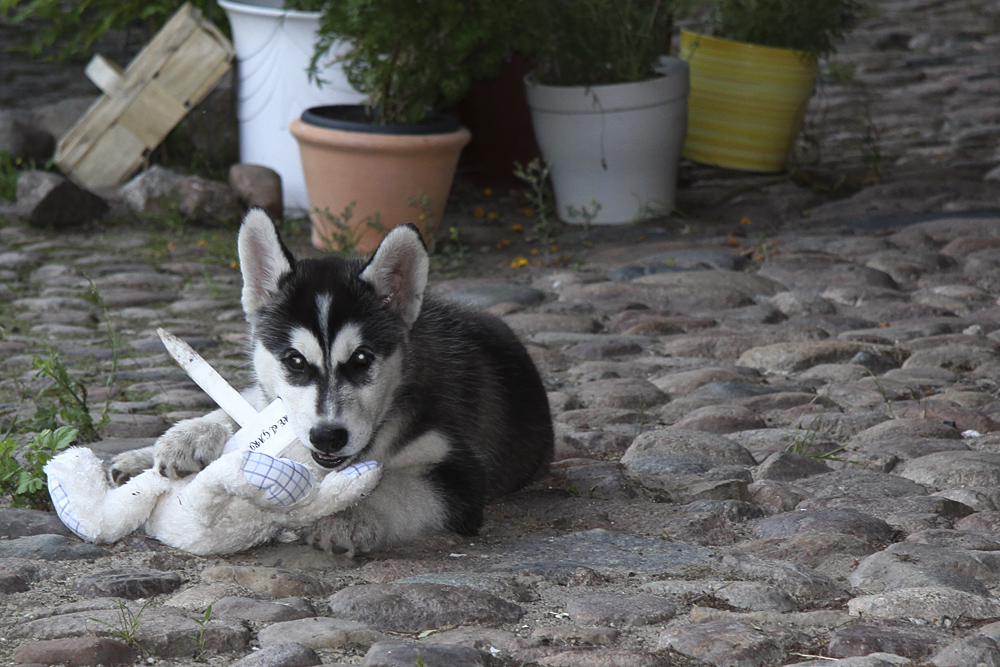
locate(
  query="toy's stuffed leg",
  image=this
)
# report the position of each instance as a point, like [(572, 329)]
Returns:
[(89, 506)]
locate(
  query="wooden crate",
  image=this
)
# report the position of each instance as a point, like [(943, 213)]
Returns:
[(142, 103)]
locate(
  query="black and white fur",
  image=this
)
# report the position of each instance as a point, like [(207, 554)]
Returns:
[(371, 366)]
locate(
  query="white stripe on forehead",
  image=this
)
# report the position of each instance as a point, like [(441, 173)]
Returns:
[(323, 314), (348, 339), (306, 343)]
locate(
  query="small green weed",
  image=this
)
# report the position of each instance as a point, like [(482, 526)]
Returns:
[(871, 148), (21, 476), (65, 400), (536, 177), (202, 624), (425, 218), (838, 72), (585, 213), (128, 622), (452, 255), (10, 171), (340, 236)]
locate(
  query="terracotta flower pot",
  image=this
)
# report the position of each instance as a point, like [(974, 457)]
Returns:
[(381, 172)]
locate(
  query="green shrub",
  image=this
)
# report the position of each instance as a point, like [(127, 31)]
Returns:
[(811, 26), (410, 56), (21, 476), (593, 42), (62, 30)]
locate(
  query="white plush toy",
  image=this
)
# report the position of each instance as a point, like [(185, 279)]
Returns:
[(245, 497)]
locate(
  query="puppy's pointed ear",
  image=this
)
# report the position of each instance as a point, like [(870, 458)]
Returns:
[(264, 260), (398, 272)]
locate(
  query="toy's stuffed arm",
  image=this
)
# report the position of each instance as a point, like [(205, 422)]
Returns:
[(337, 492), (284, 487)]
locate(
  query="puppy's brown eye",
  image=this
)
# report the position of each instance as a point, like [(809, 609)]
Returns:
[(294, 362), (360, 360)]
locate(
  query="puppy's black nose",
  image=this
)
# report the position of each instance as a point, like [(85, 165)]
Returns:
[(328, 438)]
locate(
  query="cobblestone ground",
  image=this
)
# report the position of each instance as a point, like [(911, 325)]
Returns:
[(775, 441)]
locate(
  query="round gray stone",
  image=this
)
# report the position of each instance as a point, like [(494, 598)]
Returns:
[(954, 469), (128, 584), (619, 610), (845, 521), (695, 444), (417, 607)]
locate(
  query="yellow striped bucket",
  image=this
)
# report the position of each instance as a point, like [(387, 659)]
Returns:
[(746, 102)]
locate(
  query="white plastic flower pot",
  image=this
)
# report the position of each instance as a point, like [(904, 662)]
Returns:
[(273, 49), (615, 145)]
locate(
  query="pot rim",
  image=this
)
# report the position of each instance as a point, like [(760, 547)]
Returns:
[(671, 84), (690, 35), (437, 122), (254, 9)]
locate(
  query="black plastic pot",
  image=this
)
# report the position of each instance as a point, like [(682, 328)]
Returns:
[(355, 118)]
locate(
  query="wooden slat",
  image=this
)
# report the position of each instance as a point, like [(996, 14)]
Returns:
[(114, 157), (175, 71), (105, 74), (152, 114)]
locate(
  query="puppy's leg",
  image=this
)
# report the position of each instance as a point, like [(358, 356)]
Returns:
[(190, 445), (130, 464), (402, 507)]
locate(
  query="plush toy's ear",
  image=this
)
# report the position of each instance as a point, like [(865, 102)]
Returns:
[(398, 271), (264, 260)]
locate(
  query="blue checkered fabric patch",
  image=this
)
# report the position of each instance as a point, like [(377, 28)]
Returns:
[(64, 510), (358, 469), (286, 481)]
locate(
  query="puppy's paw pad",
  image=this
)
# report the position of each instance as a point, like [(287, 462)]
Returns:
[(344, 532)]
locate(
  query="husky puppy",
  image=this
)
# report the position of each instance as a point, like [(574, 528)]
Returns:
[(371, 367)]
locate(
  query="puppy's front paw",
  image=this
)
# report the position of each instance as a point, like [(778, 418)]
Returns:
[(346, 531), (189, 446), (129, 464)]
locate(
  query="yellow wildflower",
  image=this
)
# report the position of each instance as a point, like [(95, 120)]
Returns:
[(517, 228), (554, 248), (479, 213), (529, 212), (488, 192), (518, 262), (234, 264), (202, 243), (745, 220)]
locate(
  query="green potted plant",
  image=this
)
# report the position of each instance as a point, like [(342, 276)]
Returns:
[(608, 106), (393, 159), (752, 75)]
